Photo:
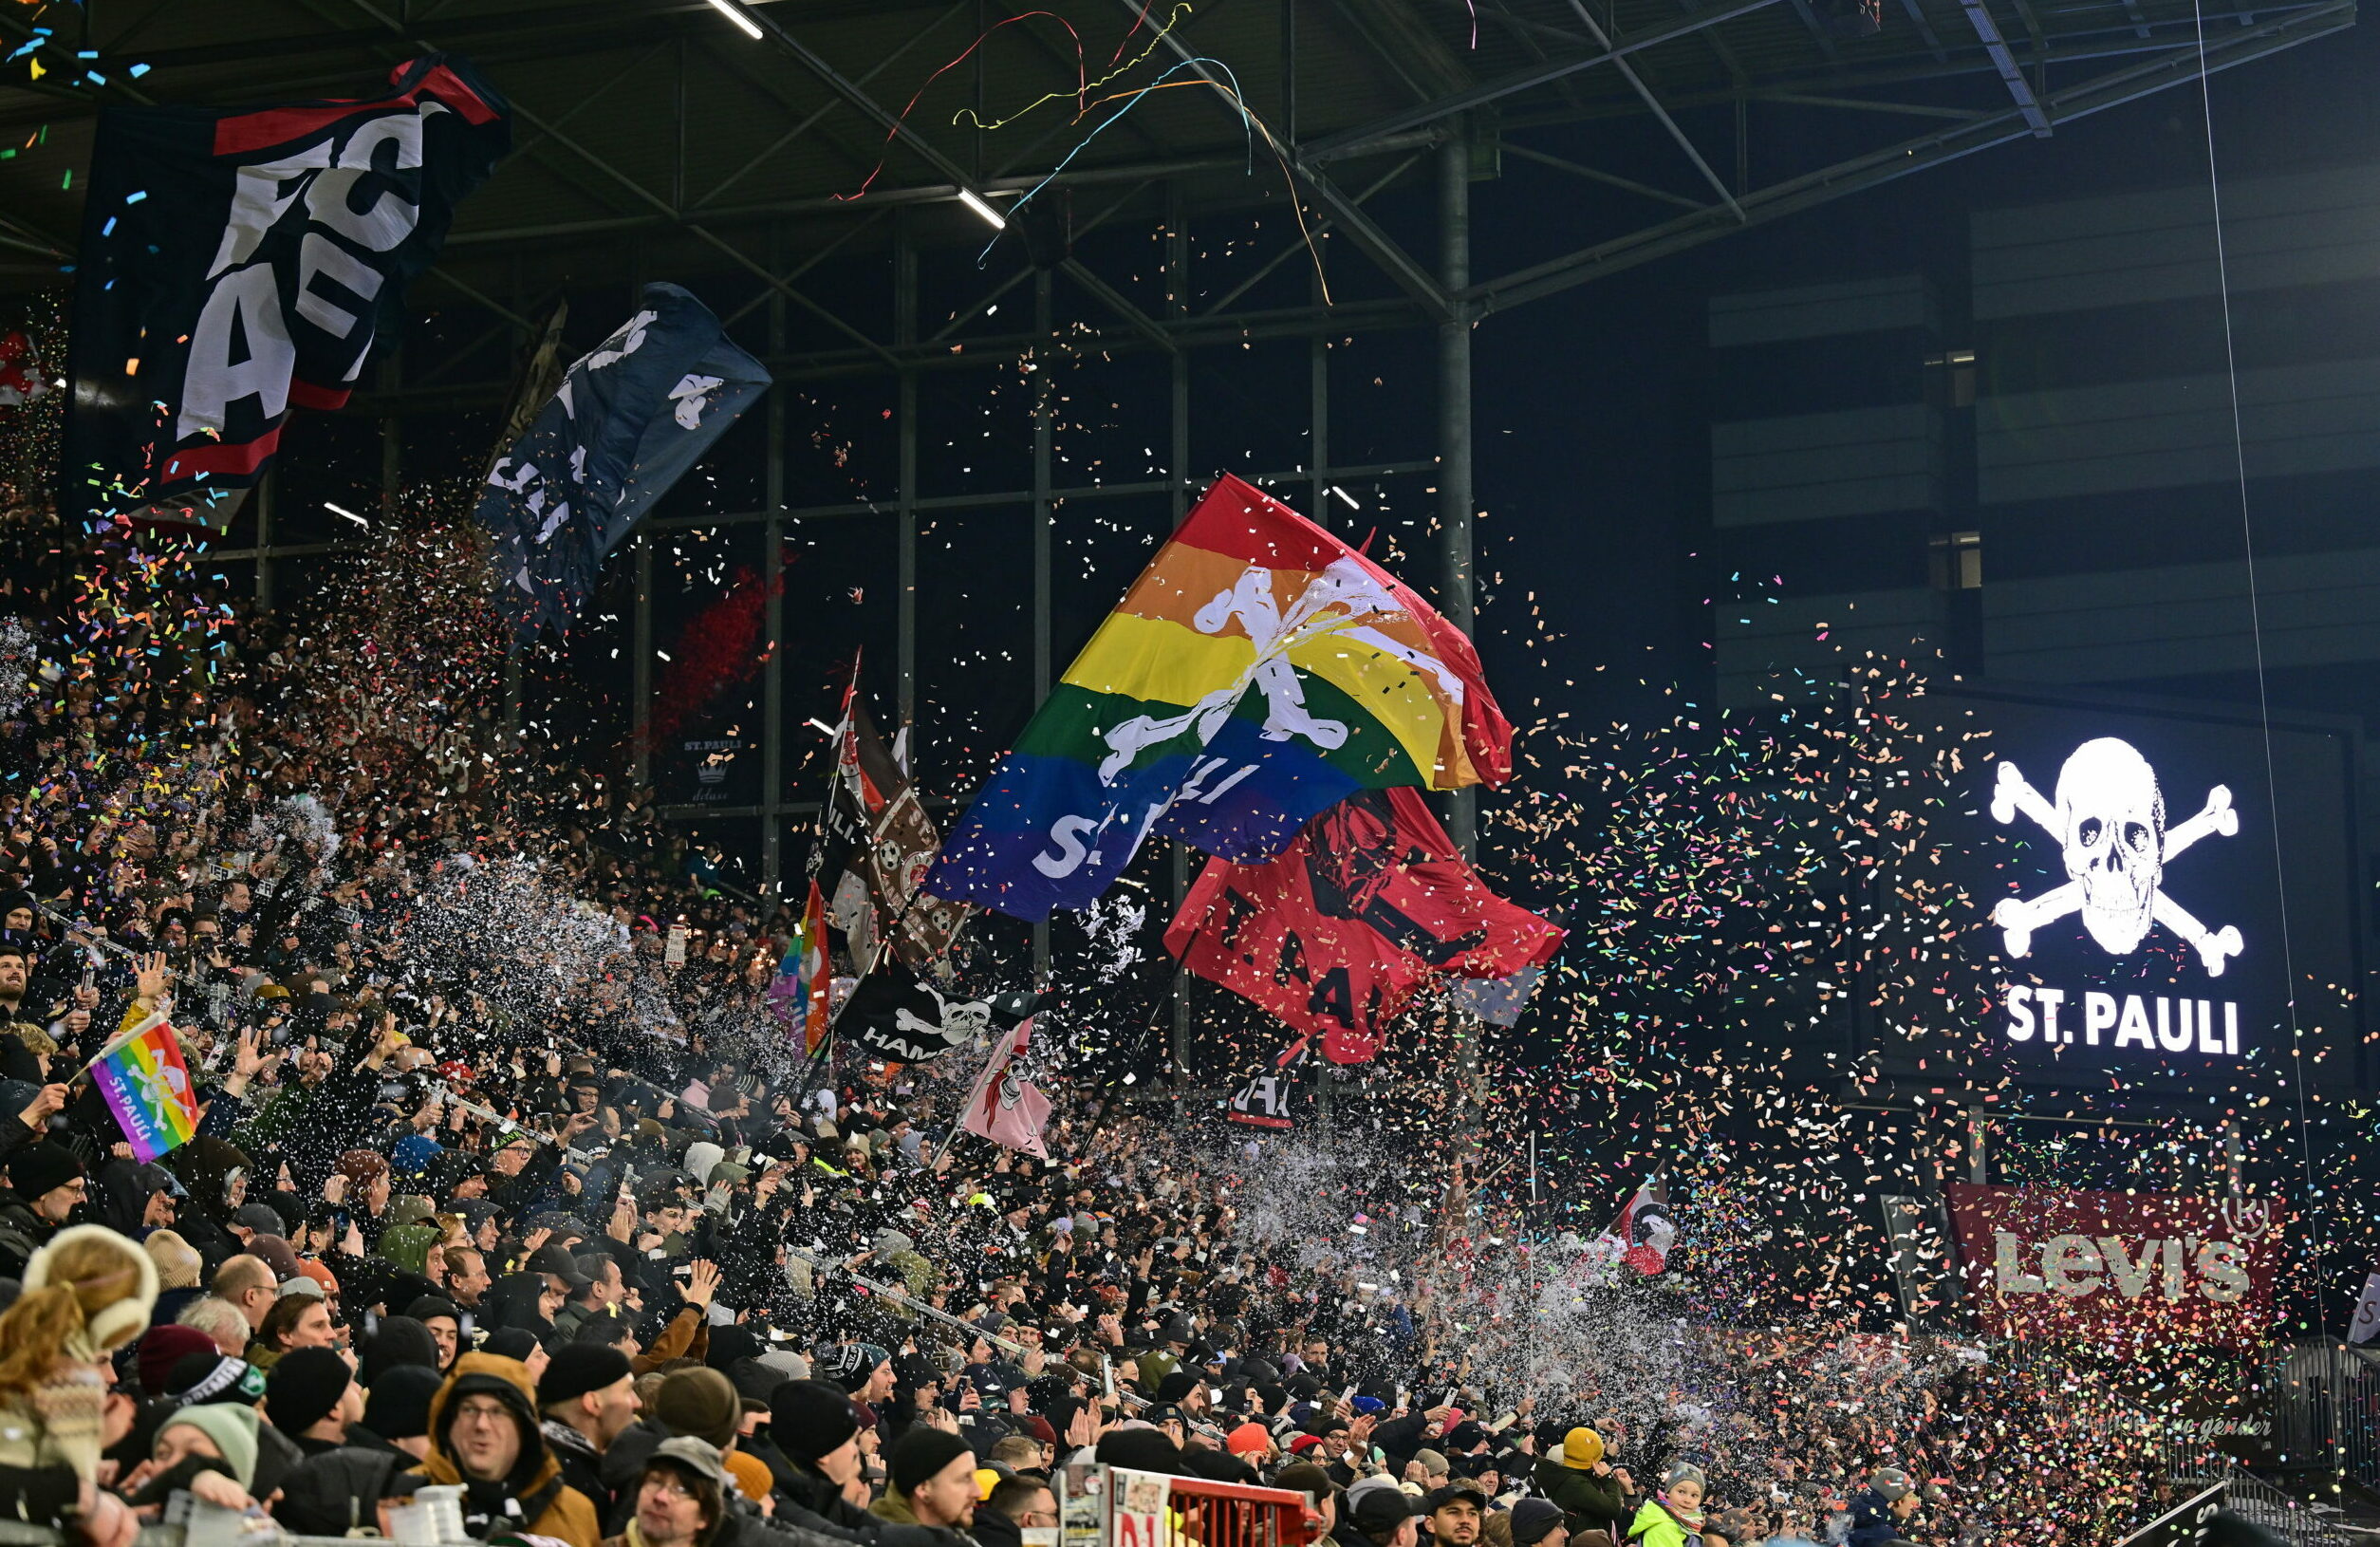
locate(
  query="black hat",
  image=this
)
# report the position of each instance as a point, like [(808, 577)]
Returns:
[(305, 1389), (558, 1261), (398, 1406), (510, 1342), (1141, 1450), (577, 1368), (401, 1340), (1379, 1511), (1440, 1498), (810, 1419), (432, 1305), (1165, 1412), (1176, 1385), (42, 1167), (919, 1454), (1532, 1518)]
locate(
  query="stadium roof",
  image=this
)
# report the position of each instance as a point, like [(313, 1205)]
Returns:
[(658, 131)]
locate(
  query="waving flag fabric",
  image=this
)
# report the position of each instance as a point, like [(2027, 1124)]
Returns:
[(1257, 672), (1005, 1107), (798, 994), (239, 262), (630, 417), (1336, 935), (147, 1086)]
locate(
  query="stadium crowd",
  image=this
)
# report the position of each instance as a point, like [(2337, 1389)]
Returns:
[(598, 1257)]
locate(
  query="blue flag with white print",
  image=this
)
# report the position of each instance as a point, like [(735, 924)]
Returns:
[(631, 416)]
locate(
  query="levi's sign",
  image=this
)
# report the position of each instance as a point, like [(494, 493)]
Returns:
[(2126, 1267)]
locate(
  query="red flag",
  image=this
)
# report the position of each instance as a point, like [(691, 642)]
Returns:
[(1004, 1107), (1642, 1234), (1363, 907)]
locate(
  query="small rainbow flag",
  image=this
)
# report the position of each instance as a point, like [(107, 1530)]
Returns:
[(797, 996), (147, 1086)]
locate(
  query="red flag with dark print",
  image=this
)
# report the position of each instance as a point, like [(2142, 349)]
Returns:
[(1365, 904)]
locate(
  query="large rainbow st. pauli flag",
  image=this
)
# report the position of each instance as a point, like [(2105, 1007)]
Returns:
[(1257, 672), (147, 1086)]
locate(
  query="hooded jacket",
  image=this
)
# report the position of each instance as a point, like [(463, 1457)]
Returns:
[(534, 1496), (1588, 1502), (1656, 1527)]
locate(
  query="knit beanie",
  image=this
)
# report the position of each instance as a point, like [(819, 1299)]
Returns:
[(161, 1349), (231, 1428), (211, 1377), (401, 1340), (1581, 1450), (42, 1167), (919, 1454), (810, 1419), (701, 1403), (1532, 1520), (305, 1389), (577, 1368), (275, 1253), (399, 1404)]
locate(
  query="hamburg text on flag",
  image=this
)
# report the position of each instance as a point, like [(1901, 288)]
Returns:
[(876, 842), (628, 420), (1005, 1107), (893, 1013), (236, 263), (1257, 671), (1368, 903), (798, 994), (147, 1086)]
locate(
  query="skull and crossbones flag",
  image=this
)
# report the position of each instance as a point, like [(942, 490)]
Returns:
[(239, 262), (893, 1013), (1259, 670), (1005, 1107), (630, 417)]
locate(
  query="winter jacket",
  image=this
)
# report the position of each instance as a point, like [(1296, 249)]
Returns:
[(535, 1495), (582, 1465), (1656, 1527), (335, 1492), (815, 1503), (1588, 1502), (22, 1234), (1873, 1524)]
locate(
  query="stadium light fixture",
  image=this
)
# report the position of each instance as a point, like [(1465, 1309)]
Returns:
[(735, 13), (981, 206)]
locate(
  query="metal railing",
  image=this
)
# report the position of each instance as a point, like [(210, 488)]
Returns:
[(2326, 1409), (1118, 1508)]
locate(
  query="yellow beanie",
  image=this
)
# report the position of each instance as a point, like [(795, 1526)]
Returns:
[(1581, 1450)]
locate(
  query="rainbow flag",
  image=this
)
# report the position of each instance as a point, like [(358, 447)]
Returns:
[(797, 996), (147, 1086), (1257, 672)]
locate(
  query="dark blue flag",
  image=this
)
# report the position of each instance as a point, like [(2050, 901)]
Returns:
[(629, 417)]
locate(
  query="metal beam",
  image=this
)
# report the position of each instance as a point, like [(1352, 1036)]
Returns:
[(1592, 174), (1997, 47), (1397, 264), (1528, 79), (2175, 67), (1627, 73)]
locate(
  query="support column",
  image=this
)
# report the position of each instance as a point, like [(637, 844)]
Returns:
[(268, 494), (1456, 595), (1977, 1162), (1178, 465), (1044, 403), (906, 333), (640, 664), (772, 644)]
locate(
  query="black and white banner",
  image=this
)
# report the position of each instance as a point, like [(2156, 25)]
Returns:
[(897, 1015), (631, 417), (239, 262)]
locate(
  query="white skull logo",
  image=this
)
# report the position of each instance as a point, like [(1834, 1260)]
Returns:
[(2112, 825), (2109, 820)]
